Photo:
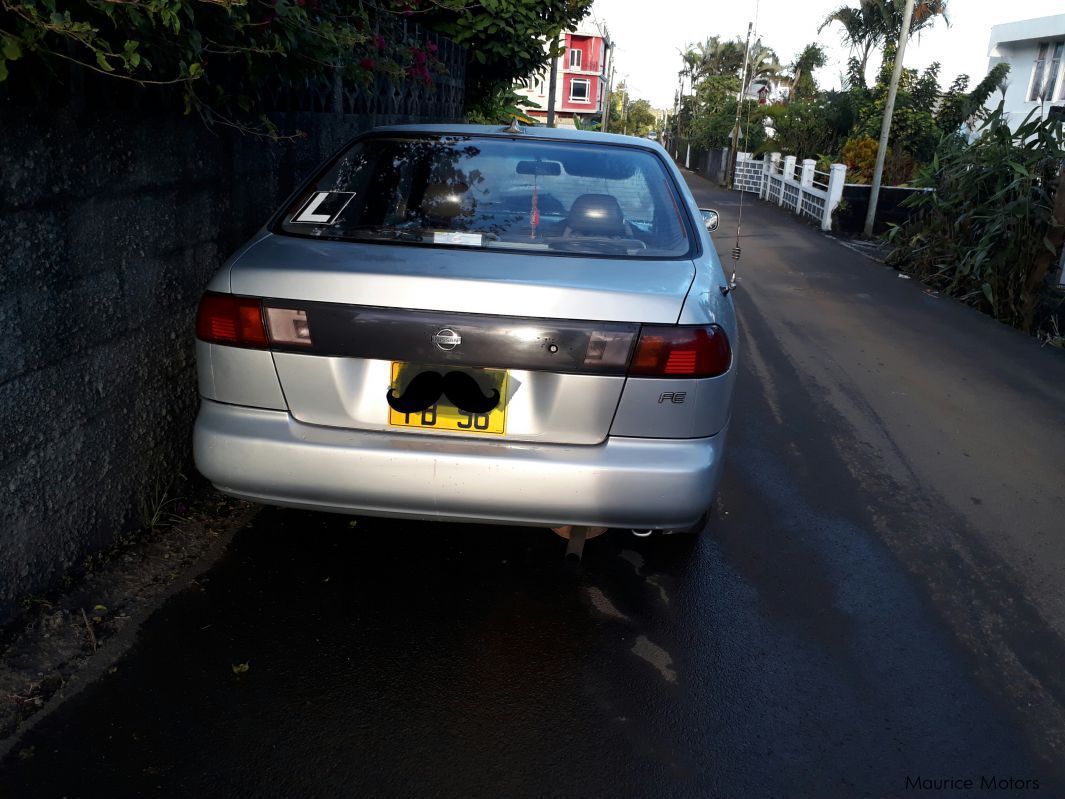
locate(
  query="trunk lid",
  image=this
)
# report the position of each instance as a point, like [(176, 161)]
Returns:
[(563, 327), (461, 281)]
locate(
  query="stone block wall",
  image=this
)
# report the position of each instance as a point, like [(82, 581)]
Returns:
[(111, 223)]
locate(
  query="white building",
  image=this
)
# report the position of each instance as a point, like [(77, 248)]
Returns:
[(1035, 51)]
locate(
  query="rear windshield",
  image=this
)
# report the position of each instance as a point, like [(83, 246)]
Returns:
[(495, 193)]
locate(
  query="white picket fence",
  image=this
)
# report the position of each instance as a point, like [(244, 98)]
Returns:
[(811, 193)]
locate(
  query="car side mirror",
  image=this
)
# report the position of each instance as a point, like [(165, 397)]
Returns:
[(711, 218)]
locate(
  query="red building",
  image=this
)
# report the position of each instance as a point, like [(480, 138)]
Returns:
[(582, 82)]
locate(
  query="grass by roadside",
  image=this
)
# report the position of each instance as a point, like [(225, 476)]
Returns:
[(59, 642)]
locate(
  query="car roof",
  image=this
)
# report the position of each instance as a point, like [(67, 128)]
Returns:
[(528, 131)]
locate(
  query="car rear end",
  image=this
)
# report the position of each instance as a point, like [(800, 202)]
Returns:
[(575, 353)]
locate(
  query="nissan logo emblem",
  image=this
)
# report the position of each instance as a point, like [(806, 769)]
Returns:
[(446, 339)]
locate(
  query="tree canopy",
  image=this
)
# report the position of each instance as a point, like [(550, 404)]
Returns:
[(873, 23), (224, 55), (844, 125)]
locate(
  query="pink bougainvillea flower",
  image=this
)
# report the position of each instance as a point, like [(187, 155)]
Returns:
[(417, 72), (379, 42), (367, 63)]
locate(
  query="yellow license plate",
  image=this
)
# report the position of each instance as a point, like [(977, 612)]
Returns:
[(443, 415)]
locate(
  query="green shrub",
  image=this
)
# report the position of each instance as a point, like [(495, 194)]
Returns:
[(984, 233), (859, 154)]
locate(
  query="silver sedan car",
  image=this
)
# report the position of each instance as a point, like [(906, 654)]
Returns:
[(480, 324)]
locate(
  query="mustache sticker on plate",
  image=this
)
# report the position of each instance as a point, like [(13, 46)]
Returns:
[(426, 388)]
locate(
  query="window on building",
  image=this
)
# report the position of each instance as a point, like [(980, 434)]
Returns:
[(578, 91), (1052, 71), (1036, 91), (575, 59)]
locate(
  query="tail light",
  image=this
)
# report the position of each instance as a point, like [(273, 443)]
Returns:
[(232, 320), (681, 351)]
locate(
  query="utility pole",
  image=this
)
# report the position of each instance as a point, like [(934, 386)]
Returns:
[(733, 151), (609, 90), (551, 85), (676, 114), (889, 110)]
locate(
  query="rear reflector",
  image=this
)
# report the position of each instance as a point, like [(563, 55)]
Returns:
[(681, 351), (227, 319)]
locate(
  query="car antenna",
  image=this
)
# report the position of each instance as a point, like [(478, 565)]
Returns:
[(514, 127), (736, 251)]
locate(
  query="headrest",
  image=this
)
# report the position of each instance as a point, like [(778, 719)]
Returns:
[(444, 200), (596, 215)]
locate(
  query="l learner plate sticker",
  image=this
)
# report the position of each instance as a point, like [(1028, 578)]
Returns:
[(324, 208)]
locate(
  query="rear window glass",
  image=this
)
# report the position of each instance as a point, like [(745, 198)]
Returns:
[(495, 193)]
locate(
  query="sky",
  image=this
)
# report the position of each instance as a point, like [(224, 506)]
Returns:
[(649, 36)]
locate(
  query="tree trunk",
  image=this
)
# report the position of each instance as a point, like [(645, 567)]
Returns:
[(865, 62), (793, 95)]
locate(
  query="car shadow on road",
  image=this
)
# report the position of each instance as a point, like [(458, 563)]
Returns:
[(324, 651)]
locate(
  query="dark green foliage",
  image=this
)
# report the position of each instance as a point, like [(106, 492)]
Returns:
[(804, 129), (223, 55), (638, 118), (913, 127), (958, 107), (714, 129), (980, 234), (917, 129), (855, 76), (803, 85), (954, 107), (709, 117), (500, 108), (714, 56)]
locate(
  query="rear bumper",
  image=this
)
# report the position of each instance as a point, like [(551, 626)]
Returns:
[(267, 456)]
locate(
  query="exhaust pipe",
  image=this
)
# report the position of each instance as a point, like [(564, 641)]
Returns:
[(643, 533)]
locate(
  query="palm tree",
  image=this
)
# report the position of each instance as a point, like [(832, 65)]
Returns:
[(862, 27), (925, 13), (713, 57), (872, 23), (763, 66)]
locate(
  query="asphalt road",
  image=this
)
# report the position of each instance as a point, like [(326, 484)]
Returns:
[(879, 597)]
